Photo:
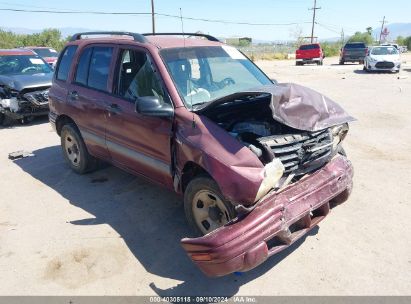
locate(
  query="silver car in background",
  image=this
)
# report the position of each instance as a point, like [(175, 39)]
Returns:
[(382, 58)]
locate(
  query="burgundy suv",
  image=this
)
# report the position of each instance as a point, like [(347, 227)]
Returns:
[(259, 164)]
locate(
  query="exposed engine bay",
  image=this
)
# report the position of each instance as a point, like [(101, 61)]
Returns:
[(25, 104), (250, 121)]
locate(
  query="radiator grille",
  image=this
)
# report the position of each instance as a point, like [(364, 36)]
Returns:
[(298, 151)]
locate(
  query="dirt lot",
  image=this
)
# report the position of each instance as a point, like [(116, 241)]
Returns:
[(113, 234)]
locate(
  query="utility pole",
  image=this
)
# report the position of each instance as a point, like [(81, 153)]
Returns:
[(342, 36), (315, 8), (152, 17), (382, 28)]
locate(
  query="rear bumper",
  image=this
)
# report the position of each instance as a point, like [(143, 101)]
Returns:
[(353, 58), (278, 221), (308, 60)]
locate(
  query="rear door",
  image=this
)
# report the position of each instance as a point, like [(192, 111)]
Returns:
[(137, 142), (89, 93)]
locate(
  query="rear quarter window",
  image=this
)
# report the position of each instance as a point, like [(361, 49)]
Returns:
[(64, 64)]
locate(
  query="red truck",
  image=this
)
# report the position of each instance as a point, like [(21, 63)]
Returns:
[(309, 53)]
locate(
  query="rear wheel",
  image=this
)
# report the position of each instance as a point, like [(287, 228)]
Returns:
[(75, 151), (2, 117), (205, 206), (342, 62)]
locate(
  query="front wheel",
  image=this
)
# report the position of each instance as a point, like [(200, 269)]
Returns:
[(205, 207), (75, 151)]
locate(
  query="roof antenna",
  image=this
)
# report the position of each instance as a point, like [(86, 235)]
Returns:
[(193, 124)]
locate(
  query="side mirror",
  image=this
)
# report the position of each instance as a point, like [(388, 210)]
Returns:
[(151, 106)]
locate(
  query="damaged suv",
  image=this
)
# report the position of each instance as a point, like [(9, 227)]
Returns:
[(258, 164), (25, 79)]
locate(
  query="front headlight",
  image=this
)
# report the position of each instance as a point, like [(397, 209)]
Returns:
[(339, 133)]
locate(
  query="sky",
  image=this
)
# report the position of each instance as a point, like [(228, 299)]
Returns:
[(334, 15)]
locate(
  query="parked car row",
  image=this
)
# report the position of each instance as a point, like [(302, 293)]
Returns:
[(385, 57)]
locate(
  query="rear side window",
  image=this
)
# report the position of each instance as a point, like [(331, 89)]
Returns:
[(63, 67), (309, 47), (99, 68), (83, 66), (93, 67)]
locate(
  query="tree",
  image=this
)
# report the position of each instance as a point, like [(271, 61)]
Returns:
[(407, 42), (48, 37), (400, 40), (365, 37), (297, 34)]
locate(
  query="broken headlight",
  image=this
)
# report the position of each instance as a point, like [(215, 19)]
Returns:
[(272, 174), (339, 132)]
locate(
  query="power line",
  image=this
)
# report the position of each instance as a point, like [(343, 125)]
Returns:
[(152, 17), (314, 9), (152, 13)]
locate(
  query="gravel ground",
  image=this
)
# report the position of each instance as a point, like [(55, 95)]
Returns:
[(110, 233)]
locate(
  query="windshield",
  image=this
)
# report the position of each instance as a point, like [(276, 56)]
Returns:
[(46, 52), (203, 74), (384, 51), (23, 64)]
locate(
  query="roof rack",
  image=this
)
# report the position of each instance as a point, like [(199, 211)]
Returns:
[(136, 37), (208, 37)]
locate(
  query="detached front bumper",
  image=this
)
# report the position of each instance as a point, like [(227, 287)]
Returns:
[(278, 221)]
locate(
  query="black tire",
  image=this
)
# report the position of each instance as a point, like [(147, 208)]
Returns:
[(7, 121), (26, 120), (75, 152), (2, 117), (203, 185), (342, 62)]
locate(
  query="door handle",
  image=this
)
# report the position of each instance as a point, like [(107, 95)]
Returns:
[(73, 95), (114, 108)]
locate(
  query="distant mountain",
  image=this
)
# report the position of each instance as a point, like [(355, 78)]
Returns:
[(395, 29)]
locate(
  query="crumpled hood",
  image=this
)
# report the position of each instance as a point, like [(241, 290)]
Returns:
[(294, 105), (22, 81)]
